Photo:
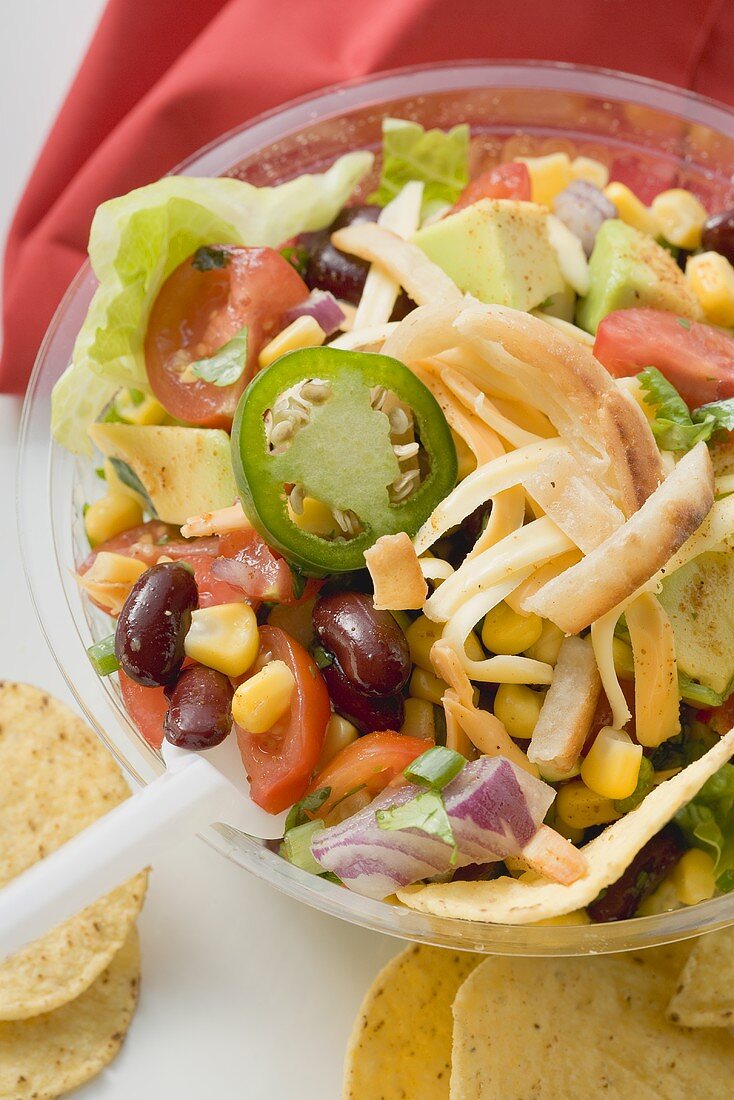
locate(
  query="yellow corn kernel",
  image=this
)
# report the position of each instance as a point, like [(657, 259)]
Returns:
[(680, 217), (624, 664), (402, 618), (593, 171), (466, 457), (518, 708), (317, 518), (549, 176), (580, 807), (142, 410), (631, 210), (548, 645), (693, 877), (662, 900), (570, 832), (224, 637), (419, 720), (504, 631), (711, 278), (304, 332), (109, 516), (424, 685), (261, 701), (579, 916), (611, 767), (339, 734), (421, 635)]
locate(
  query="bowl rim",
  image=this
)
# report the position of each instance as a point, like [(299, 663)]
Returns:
[(276, 124)]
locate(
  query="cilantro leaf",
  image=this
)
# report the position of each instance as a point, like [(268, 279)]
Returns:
[(437, 158), (720, 412), (425, 812), (309, 804), (208, 258), (226, 365), (128, 477), (674, 427)]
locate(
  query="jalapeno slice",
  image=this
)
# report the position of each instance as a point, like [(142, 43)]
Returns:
[(357, 436)]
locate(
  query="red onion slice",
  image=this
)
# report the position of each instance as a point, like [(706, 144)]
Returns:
[(583, 207), (323, 307)]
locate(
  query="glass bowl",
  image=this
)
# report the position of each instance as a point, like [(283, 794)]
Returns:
[(655, 136)]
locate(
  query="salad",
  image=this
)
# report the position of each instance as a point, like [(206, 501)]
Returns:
[(426, 496)]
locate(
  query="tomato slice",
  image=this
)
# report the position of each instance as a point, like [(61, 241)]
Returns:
[(198, 311), (371, 762), (146, 706), (697, 359), (264, 574), (506, 181), (279, 764)]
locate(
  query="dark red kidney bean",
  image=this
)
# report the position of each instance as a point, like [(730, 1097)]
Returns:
[(200, 709), (718, 234), (329, 269), (643, 876), (369, 713), (152, 627), (369, 646), (353, 215)]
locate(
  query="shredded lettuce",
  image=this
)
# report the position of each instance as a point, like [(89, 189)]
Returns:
[(708, 822), (437, 158), (136, 241), (226, 365), (700, 695), (674, 427)]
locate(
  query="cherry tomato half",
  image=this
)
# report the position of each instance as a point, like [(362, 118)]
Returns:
[(147, 706), (371, 762), (506, 181), (265, 576)]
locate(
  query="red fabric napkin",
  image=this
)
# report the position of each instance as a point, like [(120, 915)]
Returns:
[(164, 77)]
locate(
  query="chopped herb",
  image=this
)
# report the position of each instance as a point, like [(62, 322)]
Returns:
[(208, 258), (137, 397), (226, 365), (99, 471), (435, 768), (321, 656), (297, 257), (677, 752), (296, 846), (130, 478), (299, 582), (644, 784), (684, 322), (425, 812), (309, 804), (331, 877), (674, 427)]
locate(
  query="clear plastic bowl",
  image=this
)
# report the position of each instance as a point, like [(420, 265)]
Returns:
[(661, 135)]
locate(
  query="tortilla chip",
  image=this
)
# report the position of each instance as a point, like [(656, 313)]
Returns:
[(400, 1045), (582, 1027), (516, 901), (50, 1054), (55, 779), (704, 996)]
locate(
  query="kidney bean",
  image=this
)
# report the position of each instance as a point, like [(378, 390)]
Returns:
[(200, 709), (643, 876), (718, 234), (369, 646), (369, 713), (152, 626)]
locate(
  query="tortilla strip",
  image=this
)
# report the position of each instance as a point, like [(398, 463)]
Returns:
[(634, 553), (568, 709), (396, 574), (510, 901), (573, 501)]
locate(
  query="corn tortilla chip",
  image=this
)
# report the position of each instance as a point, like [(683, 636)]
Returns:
[(401, 1041), (704, 996), (44, 1057), (542, 1029), (514, 901), (55, 779)]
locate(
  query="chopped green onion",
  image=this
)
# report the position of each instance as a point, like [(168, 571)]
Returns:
[(102, 656), (435, 768), (309, 804), (296, 846)]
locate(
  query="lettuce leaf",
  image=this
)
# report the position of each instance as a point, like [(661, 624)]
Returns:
[(674, 427), (135, 243), (708, 823), (437, 158)]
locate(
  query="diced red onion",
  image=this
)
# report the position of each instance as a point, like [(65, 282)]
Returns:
[(323, 307), (494, 808), (583, 207)]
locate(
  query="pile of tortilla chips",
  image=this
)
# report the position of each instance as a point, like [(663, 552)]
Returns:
[(653, 1025), (66, 1001)]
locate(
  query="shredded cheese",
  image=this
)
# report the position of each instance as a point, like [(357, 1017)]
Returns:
[(401, 216), (602, 639), (478, 403), (657, 712), (356, 339)]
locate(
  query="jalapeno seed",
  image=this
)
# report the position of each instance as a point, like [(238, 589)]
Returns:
[(200, 709), (369, 646), (153, 623)]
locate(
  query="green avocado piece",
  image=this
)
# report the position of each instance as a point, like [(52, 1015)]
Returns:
[(628, 269), (185, 471), (497, 250), (699, 600)]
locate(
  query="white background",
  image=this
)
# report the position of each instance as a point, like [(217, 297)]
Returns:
[(245, 994)]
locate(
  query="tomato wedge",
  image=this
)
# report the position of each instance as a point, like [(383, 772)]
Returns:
[(200, 308), (146, 706), (506, 181), (262, 574), (697, 359), (371, 762), (280, 763)]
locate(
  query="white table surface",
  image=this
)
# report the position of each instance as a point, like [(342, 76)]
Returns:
[(245, 994)]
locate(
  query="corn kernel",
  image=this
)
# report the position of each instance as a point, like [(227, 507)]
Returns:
[(518, 709), (571, 832), (261, 701), (631, 210), (593, 171), (580, 807), (624, 663), (612, 764), (662, 900), (680, 217), (711, 278), (339, 734), (109, 516), (419, 719), (693, 877), (504, 631), (421, 635), (548, 645), (549, 176), (224, 637), (578, 916), (140, 409), (424, 685), (304, 332), (317, 518)]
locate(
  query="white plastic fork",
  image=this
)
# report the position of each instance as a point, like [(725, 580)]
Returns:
[(196, 790)]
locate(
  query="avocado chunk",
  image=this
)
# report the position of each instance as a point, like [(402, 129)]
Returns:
[(699, 600), (184, 471), (498, 250), (628, 268)]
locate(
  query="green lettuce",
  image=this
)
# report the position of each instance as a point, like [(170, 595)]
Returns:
[(708, 823), (437, 158), (136, 241), (674, 427)]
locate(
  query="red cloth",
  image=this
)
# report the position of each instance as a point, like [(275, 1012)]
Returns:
[(163, 77)]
